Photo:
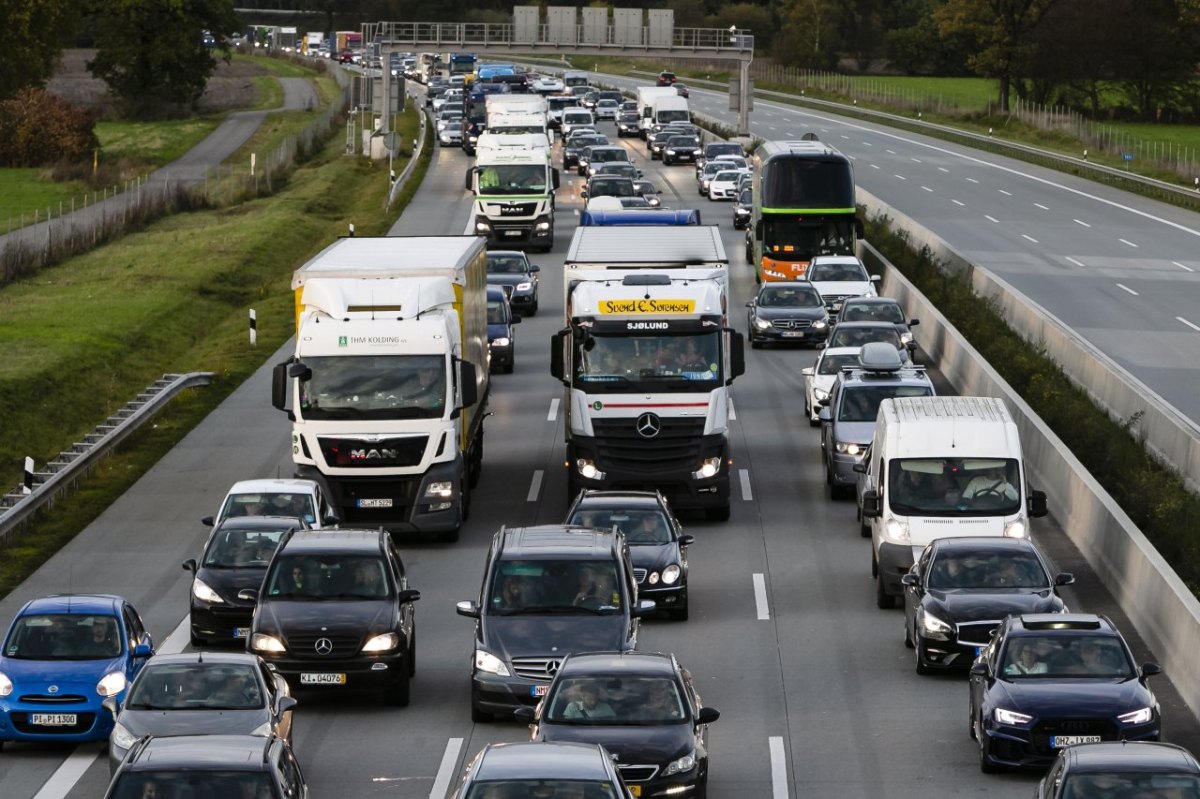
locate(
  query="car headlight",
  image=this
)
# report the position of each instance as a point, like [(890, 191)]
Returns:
[(653, 578), (906, 337), (762, 324), (708, 468), (121, 737), (820, 393), (896, 531), (670, 152), (442, 489), (1142, 716), (820, 324), (588, 470), (848, 447), (487, 662), (932, 624), (382, 643), (527, 286), (682, 765), (6, 686), (266, 643), (111, 684), (654, 202), (203, 591), (1015, 529), (670, 575), (1003, 716), (502, 341)]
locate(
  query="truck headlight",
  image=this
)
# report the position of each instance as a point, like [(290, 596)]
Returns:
[(487, 662), (202, 591), (266, 643), (670, 575), (111, 684), (540, 226), (483, 227), (439, 489), (762, 324), (1003, 716), (1142, 716), (382, 643), (588, 470), (1015, 529), (896, 531), (708, 468), (848, 448)]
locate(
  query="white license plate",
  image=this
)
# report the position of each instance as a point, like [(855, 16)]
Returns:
[(375, 503), (53, 719), (793, 334), (538, 690), (512, 233), (241, 632), (837, 306), (1059, 741), (322, 679)]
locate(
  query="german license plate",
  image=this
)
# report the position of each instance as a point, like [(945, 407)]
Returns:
[(634, 790), (793, 334), (385, 502), (1059, 741), (538, 690), (512, 233), (978, 651), (241, 632), (53, 719), (322, 679)]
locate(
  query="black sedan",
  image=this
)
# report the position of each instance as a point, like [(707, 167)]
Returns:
[(1121, 769), (960, 589), (627, 123), (235, 557), (1047, 681), (511, 269), (642, 708), (579, 771), (657, 548), (575, 146), (681, 149), (786, 312), (743, 210), (878, 309)]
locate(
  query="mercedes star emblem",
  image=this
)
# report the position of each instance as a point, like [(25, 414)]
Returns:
[(552, 667), (649, 425), (323, 646)]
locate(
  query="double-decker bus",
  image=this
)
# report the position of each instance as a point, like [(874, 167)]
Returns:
[(803, 207)]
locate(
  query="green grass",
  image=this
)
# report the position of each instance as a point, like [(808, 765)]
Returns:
[(23, 191), (149, 145), (279, 67), (270, 93)]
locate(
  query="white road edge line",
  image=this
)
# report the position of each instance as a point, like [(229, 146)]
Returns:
[(1126, 288), (760, 597), (1043, 207), (779, 784), (445, 772), (926, 188), (959, 202), (972, 180), (732, 411), (550, 417), (1072, 260), (535, 485), (943, 169), (900, 176), (744, 476), (1181, 266), (1189, 324), (1005, 193)]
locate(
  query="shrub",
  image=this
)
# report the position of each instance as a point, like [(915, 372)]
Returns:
[(39, 129)]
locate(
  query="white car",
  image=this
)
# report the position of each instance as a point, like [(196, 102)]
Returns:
[(449, 128), (451, 96), (723, 185), (818, 378), (548, 84), (573, 118), (730, 161), (838, 277), (294, 498), (607, 109)]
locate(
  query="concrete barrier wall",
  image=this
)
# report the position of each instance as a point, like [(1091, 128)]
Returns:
[(1160, 606)]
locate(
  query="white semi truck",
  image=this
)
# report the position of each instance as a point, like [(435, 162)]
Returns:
[(388, 384), (647, 358), (513, 182)]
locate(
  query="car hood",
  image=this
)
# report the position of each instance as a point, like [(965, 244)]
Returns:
[(498, 331), (66, 676), (227, 582), (856, 432), (966, 605), (519, 636), (838, 288), (1079, 697), (789, 313), (507, 279), (658, 744), (193, 722), (823, 382), (653, 557), (345, 617)]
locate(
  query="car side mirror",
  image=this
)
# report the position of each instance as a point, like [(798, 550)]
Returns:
[(644, 608), (1037, 504), (914, 322), (707, 715), (824, 415), (207, 521), (286, 703), (871, 505), (331, 521), (534, 268), (189, 565), (875, 278), (1064, 578), (515, 320), (525, 714), (979, 670), (807, 371), (686, 540), (468, 608), (111, 705), (583, 194), (658, 191), (143, 650), (248, 595), (408, 595), (1150, 669), (911, 346), (910, 579), (860, 467), (750, 304)]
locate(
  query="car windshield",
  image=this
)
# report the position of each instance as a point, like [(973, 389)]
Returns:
[(321, 576), (861, 403), (1087, 656), (372, 387), (506, 264), (607, 154), (586, 141), (612, 187), (726, 176), (683, 141), (497, 312), (1116, 784), (241, 549), (644, 187), (668, 363), (986, 570), (644, 527), (184, 784), (833, 273), (745, 198), (584, 587), (832, 364), (63, 636), (954, 486), (541, 789), (615, 700), (789, 297), (732, 162), (846, 336), (872, 312), (713, 150), (196, 686)]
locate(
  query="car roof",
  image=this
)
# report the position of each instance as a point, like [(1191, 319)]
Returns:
[(835, 259), (1125, 756), (542, 760), (207, 656), (273, 486), (618, 663), (618, 499), (865, 324), (235, 752), (981, 542), (335, 540), (870, 301), (259, 523), (1063, 624), (75, 604), (507, 253), (557, 540)]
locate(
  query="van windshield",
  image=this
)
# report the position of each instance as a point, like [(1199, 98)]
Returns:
[(954, 486)]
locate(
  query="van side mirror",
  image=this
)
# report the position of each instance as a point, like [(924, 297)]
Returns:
[(208, 521), (707, 715), (1150, 669), (467, 179), (408, 595), (299, 370), (910, 579), (248, 595), (189, 565), (468, 608), (1037, 504), (554, 179), (807, 371), (870, 504)]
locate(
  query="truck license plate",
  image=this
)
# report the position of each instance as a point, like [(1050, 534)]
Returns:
[(385, 502), (53, 719), (322, 679)]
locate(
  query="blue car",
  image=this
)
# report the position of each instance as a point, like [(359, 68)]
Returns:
[(63, 656)]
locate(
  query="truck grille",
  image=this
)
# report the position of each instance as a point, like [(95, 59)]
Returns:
[(355, 453), (536, 668), (502, 210), (620, 448)]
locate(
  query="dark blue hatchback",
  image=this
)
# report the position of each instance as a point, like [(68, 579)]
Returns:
[(63, 656)]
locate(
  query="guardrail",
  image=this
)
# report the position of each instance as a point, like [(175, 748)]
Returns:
[(398, 183), (61, 474)]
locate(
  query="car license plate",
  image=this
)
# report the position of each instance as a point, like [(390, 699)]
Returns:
[(538, 690), (1059, 741), (837, 306), (322, 679), (793, 334), (386, 502), (634, 790), (512, 233), (53, 719), (241, 632)]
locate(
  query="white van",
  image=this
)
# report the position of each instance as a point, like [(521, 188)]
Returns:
[(576, 118), (940, 467)]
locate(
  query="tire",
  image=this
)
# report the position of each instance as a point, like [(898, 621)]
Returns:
[(477, 715), (883, 600), (908, 639), (813, 422), (534, 308), (755, 345), (412, 653), (398, 694), (864, 529), (717, 514), (971, 722), (679, 613)]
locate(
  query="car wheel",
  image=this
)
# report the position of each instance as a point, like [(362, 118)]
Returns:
[(717, 514), (398, 694), (533, 308), (412, 653), (196, 640), (971, 722), (755, 344), (680, 612), (864, 529), (883, 600)]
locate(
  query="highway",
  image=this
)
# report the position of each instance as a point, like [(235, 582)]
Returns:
[(817, 692)]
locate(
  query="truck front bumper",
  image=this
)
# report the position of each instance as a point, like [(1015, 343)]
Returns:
[(680, 482), (397, 503)]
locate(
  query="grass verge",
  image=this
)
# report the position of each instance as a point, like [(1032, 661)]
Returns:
[(24, 191)]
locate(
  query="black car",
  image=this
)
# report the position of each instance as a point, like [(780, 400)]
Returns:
[(743, 210), (1046, 681), (657, 547), (680, 149), (262, 767), (575, 146), (1127, 768), (648, 190), (960, 589), (859, 334), (618, 168), (878, 309), (594, 156), (547, 591), (715, 148), (335, 611), (608, 186), (502, 342), (235, 557), (786, 312), (642, 708), (656, 140), (627, 123), (530, 770), (511, 269)]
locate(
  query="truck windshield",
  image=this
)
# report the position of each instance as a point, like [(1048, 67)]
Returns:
[(512, 179), (374, 387), (954, 486), (616, 364)]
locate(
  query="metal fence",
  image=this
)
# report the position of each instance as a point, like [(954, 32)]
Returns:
[(504, 34)]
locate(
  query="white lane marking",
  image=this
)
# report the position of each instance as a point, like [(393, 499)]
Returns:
[(1123, 287), (943, 169), (446, 770), (1043, 207), (972, 180), (744, 477), (867, 144), (959, 203), (535, 486), (1080, 222), (1005, 193), (900, 176), (890, 152), (844, 136), (1030, 238), (772, 127), (732, 412), (550, 417), (991, 219), (174, 643), (916, 160), (760, 597), (1181, 266), (65, 776), (1127, 241), (874, 166), (1189, 324), (1072, 260), (926, 188), (779, 783)]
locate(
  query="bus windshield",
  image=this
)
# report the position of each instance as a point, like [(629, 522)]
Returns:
[(807, 183)]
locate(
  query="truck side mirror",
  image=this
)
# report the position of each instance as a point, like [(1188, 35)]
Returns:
[(467, 179), (557, 367), (870, 504), (467, 379), (554, 179), (279, 386), (1037, 504), (737, 356)]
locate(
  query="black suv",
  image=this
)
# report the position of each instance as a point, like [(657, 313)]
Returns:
[(547, 591), (335, 610), (209, 765), (506, 770)]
